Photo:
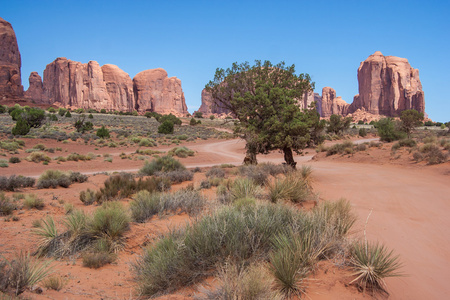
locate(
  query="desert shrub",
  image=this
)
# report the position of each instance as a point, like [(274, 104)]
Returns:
[(181, 152), (53, 118), (21, 127), (22, 272), (372, 263), (7, 206), (244, 188), (124, 185), (103, 132), (360, 147), (176, 176), (32, 201), (291, 188), (55, 283), (145, 142), (53, 179), (239, 282), (344, 148), (10, 146), (14, 182), (77, 177), (38, 157), (389, 131), (257, 174), (185, 256), (87, 197), (163, 164), (171, 118), (166, 127), (4, 163), (14, 160), (182, 201), (274, 169), (95, 260), (62, 111), (40, 147), (144, 206), (215, 172)]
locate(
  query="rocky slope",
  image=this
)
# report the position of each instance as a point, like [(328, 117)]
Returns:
[(10, 63)]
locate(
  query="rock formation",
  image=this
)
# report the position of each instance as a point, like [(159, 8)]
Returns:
[(35, 90), (208, 106), (119, 87), (154, 91), (10, 63), (387, 86), (332, 105)]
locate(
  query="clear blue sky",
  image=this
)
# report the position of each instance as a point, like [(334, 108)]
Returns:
[(190, 39)]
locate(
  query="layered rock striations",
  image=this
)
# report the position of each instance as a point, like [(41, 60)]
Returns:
[(10, 63), (35, 90), (332, 105), (387, 86), (155, 91)]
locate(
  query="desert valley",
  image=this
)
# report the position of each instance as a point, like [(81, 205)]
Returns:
[(111, 189)]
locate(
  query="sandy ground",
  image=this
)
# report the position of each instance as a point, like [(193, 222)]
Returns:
[(409, 204)]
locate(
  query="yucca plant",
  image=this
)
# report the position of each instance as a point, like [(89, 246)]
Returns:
[(372, 263), (23, 272), (244, 188), (292, 188), (47, 233)]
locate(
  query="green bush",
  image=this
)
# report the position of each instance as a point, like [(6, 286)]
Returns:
[(62, 111), (292, 188), (144, 206), (38, 157), (6, 205), (362, 132), (87, 197), (389, 131), (103, 132), (53, 179), (171, 118), (32, 201), (166, 127), (21, 127), (161, 164)]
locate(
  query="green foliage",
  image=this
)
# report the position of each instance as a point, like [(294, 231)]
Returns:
[(161, 164), (410, 119), (68, 114), (193, 122), (212, 117), (372, 263), (292, 188), (53, 118), (103, 132), (173, 119), (32, 201), (82, 126), (263, 98), (87, 197), (338, 124), (198, 115), (344, 148), (62, 111), (166, 127), (388, 130), (38, 157), (7, 206), (155, 115), (21, 127)]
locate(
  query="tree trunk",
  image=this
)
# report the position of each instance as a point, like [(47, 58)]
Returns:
[(250, 158), (289, 157)]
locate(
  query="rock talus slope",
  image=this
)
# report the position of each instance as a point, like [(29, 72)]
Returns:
[(10, 63)]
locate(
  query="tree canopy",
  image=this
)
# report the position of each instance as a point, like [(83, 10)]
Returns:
[(410, 119), (264, 98)]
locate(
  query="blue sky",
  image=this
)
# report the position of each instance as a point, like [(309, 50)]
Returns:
[(190, 39)]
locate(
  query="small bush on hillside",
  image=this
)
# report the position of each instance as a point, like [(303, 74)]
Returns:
[(166, 127), (145, 142), (103, 132), (87, 197), (144, 206), (171, 118), (344, 148), (362, 132), (389, 131), (38, 157), (21, 128), (161, 164)]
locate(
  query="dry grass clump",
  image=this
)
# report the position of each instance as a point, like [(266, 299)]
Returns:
[(21, 272), (38, 157), (55, 283), (431, 153), (344, 148), (215, 172), (101, 232), (161, 164), (145, 204), (87, 197), (239, 234), (123, 185), (53, 179), (176, 176)]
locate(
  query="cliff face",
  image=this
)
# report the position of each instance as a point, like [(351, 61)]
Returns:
[(332, 105), (10, 63), (154, 91), (73, 84), (387, 86)]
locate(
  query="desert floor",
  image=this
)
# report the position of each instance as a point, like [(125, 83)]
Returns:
[(409, 205)]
